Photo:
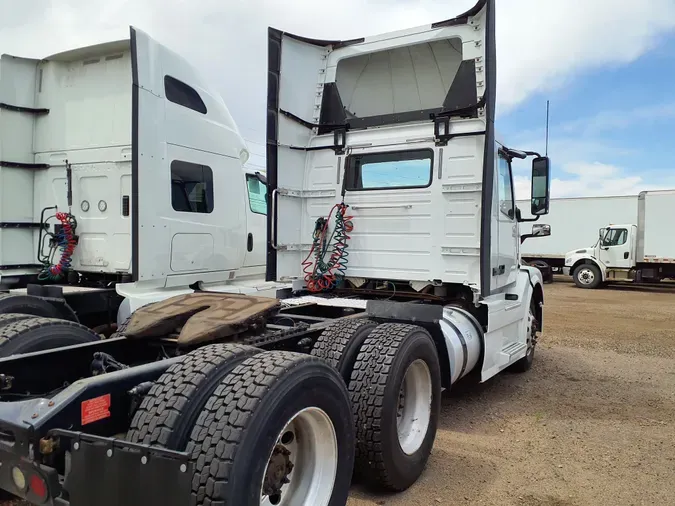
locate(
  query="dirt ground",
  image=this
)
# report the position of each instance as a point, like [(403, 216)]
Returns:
[(592, 424)]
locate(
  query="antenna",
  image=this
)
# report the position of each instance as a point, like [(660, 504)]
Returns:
[(548, 106)]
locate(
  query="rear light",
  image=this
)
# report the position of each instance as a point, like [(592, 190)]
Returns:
[(38, 486), (19, 479)]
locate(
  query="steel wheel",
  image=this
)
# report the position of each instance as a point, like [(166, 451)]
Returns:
[(414, 407), (303, 464), (586, 276), (531, 334)]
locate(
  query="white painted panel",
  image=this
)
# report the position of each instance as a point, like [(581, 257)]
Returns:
[(418, 234), (302, 73), (89, 102), (406, 234), (168, 132), (659, 212), (401, 79), (191, 252), (17, 87)]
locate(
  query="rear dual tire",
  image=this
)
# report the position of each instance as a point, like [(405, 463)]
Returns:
[(395, 390), (243, 437), (246, 410), (393, 376)]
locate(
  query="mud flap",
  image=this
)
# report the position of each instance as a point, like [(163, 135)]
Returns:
[(109, 472)]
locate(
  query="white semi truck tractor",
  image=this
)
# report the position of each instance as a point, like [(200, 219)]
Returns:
[(393, 225), (84, 237), (638, 252)]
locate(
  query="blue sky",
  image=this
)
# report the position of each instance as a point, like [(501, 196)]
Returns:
[(612, 128)]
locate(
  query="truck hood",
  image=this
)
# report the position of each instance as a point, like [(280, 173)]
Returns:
[(571, 257)]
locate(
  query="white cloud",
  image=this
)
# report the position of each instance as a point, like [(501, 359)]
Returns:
[(613, 120), (541, 44), (594, 179)]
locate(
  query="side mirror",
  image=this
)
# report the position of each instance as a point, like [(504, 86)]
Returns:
[(601, 233), (541, 186), (541, 230)]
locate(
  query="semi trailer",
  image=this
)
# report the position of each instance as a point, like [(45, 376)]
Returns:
[(576, 221), (393, 247), (638, 250)]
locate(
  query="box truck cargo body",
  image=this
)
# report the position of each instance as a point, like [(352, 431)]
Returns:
[(575, 223), (640, 251)]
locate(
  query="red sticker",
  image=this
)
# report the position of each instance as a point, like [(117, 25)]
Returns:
[(96, 409)]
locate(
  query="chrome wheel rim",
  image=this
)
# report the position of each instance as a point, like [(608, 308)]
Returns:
[(302, 466), (586, 276), (414, 407)]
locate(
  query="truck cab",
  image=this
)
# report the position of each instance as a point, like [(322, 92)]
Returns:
[(615, 251), (128, 144)]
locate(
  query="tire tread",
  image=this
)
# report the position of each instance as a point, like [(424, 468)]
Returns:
[(333, 341), (18, 328), (367, 388), (222, 423), (171, 395)]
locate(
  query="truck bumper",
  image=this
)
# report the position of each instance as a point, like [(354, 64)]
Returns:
[(566, 271), (102, 472)]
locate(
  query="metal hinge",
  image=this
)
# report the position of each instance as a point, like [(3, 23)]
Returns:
[(294, 247), (306, 194)]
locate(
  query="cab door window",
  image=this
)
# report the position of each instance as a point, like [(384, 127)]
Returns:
[(257, 194), (615, 237), (506, 203)]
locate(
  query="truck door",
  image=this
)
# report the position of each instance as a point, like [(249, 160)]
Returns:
[(506, 270), (400, 125), (256, 222), (616, 247), (187, 180)]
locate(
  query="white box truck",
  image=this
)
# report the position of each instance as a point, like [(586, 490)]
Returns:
[(575, 221), (640, 250)]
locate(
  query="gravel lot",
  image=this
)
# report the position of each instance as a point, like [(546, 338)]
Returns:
[(591, 424)]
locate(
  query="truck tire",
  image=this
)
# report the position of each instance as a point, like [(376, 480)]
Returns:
[(37, 334), (339, 344), (30, 305), (275, 412), (395, 391), (169, 411), (587, 276), (13, 317), (119, 332), (525, 363)]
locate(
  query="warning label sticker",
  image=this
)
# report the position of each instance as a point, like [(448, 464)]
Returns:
[(96, 409)]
